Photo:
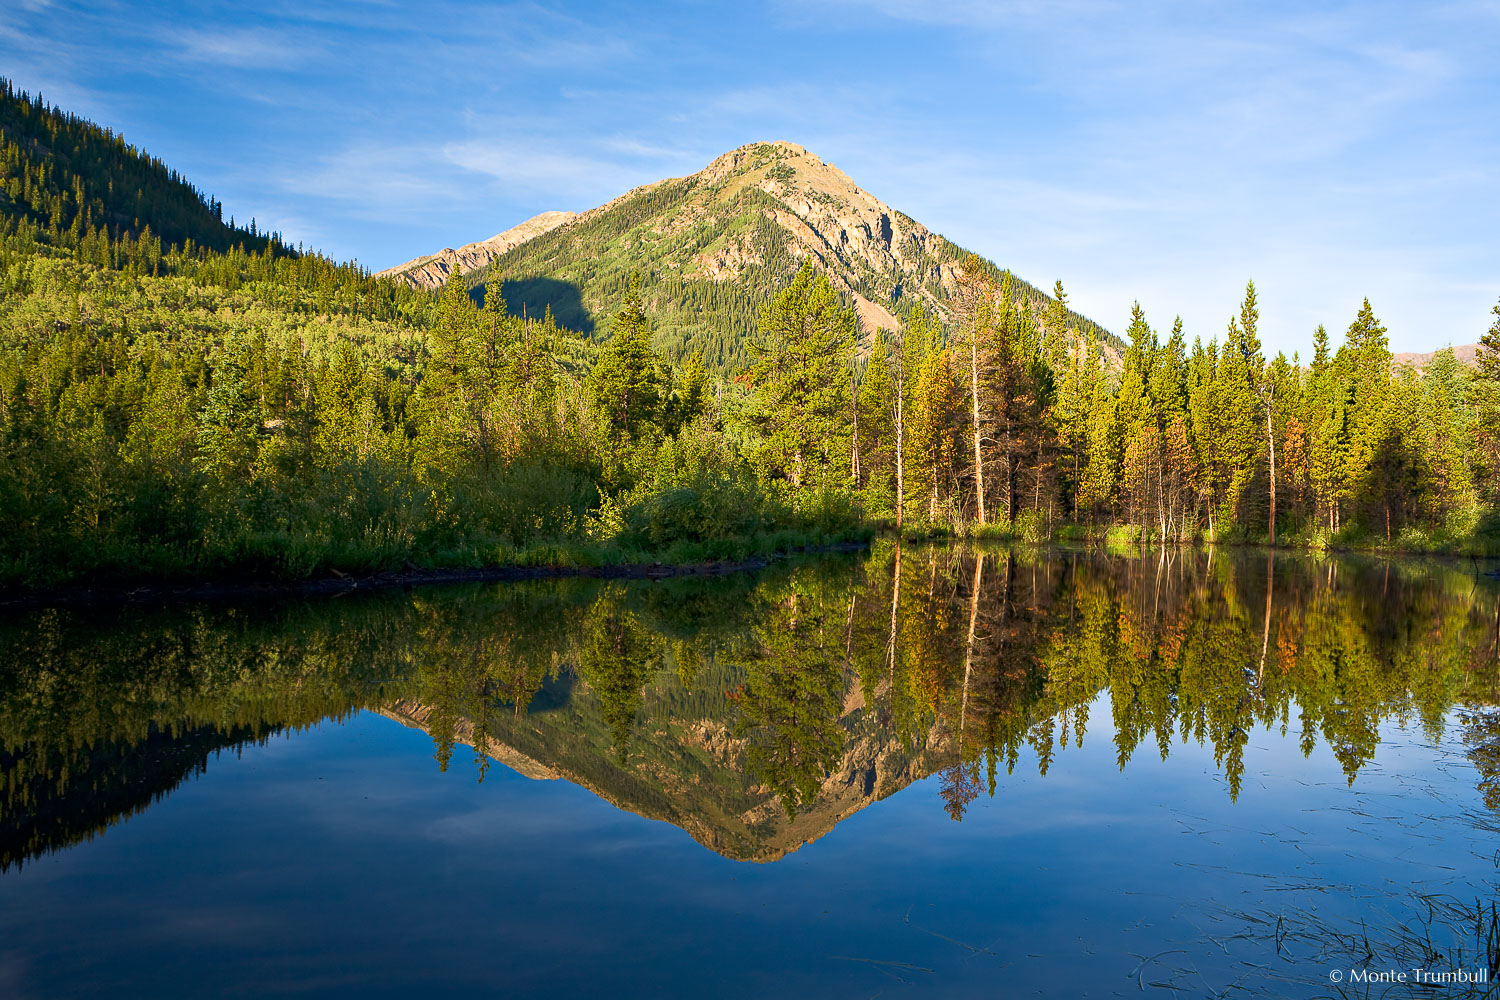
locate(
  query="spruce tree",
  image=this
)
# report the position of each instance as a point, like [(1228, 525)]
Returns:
[(800, 405), (626, 382), (1487, 405), (1365, 363), (877, 441)]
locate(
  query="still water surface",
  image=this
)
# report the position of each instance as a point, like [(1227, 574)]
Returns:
[(924, 772)]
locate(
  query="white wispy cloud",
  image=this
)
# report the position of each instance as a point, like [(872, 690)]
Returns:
[(383, 180), (530, 163), (950, 13), (260, 48)]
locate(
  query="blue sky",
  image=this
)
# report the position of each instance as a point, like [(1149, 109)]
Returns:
[(1164, 152)]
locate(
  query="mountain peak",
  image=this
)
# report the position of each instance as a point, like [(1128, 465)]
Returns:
[(716, 245)]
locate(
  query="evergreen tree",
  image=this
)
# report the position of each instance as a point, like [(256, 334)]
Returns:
[(800, 391), (693, 387), (877, 440), (1370, 458), (1241, 410), (229, 425), (1487, 406), (627, 379), (1446, 427), (938, 433)]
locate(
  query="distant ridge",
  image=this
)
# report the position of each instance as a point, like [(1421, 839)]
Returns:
[(1466, 353), (432, 270)]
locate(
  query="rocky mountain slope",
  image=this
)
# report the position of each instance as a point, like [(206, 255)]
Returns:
[(433, 270), (714, 246)]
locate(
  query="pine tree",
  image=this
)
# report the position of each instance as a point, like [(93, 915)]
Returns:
[(461, 379), (1487, 406), (627, 380), (229, 425), (1206, 421), (1057, 340), (1083, 368), (1489, 349), (936, 439), (1241, 411), (876, 410), (798, 377), (1447, 430), (692, 396), (1104, 450), (1365, 367)]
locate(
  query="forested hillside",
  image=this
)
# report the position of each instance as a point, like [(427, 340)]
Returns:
[(76, 185), (714, 247), (225, 405), (168, 408)]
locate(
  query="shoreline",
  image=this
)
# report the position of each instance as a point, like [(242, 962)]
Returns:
[(340, 584), (336, 584)]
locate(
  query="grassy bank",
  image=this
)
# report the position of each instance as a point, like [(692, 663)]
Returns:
[(1475, 535)]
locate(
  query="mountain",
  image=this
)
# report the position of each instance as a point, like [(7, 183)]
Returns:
[(1466, 353), (432, 271), (714, 246), (696, 777)]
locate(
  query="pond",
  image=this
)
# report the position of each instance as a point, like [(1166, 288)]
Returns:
[(920, 771)]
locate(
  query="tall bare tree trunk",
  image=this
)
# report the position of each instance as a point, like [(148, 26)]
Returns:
[(1496, 644), (854, 410), (1010, 476), (974, 397), (1265, 636), (900, 431), (848, 633), (969, 649), (1271, 446), (890, 644)]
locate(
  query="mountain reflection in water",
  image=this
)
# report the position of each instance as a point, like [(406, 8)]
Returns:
[(758, 712)]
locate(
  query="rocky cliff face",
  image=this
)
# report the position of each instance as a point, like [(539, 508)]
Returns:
[(433, 270), (871, 252)]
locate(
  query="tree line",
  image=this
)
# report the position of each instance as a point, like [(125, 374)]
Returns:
[(1012, 422), (225, 403)]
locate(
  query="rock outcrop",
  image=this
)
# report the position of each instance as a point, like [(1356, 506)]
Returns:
[(433, 270)]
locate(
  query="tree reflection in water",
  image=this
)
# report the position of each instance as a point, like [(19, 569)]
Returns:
[(758, 711)]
